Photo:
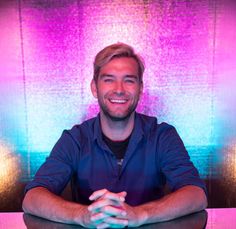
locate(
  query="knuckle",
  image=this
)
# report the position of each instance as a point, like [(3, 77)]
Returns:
[(106, 209), (104, 190)]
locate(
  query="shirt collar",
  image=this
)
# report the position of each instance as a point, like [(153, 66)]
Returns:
[(138, 131), (97, 130), (136, 135)]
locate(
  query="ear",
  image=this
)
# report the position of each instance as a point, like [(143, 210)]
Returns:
[(93, 88)]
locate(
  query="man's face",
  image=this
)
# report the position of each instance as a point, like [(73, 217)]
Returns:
[(118, 88)]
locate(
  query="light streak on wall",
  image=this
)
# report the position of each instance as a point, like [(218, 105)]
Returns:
[(9, 169), (13, 127), (229, 165)]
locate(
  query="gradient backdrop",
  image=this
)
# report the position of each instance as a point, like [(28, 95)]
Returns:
[(46, 54)]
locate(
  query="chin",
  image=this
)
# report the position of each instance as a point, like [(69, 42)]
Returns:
[(117, 117)]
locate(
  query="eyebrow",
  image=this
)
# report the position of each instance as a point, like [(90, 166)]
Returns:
[(127, 76), (106, 75), (132, 76)]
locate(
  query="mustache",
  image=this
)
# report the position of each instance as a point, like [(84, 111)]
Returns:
[(119, 94)]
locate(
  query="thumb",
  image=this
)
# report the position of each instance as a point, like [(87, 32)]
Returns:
[(123, 194)]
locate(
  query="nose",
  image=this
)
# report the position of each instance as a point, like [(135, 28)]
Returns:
[(119, 87)]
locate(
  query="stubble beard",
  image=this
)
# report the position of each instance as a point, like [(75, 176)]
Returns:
[(117, 118)]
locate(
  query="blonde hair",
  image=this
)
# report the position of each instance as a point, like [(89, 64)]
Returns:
[(116, 51)]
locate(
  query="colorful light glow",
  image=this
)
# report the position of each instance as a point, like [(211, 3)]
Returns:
[(9, 169), (46, 69), (229, 165)]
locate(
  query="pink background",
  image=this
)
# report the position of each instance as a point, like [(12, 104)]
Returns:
[(46, 54)]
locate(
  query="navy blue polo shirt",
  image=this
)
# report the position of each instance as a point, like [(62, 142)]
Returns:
[(155, 156)]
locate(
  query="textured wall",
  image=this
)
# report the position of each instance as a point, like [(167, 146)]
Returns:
[(46, 53)]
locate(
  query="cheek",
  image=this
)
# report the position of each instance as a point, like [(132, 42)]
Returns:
[(104, 90), (136, 91)]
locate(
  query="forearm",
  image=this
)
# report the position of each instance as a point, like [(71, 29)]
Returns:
[(40, 202), (186, 200)]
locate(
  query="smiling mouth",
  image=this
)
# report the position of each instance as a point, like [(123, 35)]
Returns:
[(120, 101)]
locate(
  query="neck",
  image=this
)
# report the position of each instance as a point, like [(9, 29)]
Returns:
[(117, 130)]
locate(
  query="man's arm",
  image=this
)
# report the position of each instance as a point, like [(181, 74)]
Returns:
[(41, 202), (186, 200)]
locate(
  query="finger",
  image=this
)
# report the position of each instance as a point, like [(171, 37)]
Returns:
[(104, 193), (103, 225), (106, 225), (119, 197), (116, 222), (114, 211), (95, 206), (98, 217), (97, 194), (124, 194)]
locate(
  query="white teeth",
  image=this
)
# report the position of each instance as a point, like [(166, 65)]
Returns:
[(118, 101)]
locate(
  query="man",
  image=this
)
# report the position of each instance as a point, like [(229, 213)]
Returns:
[(120, 160)]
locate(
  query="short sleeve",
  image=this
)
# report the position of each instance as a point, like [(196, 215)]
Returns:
[(175, 162), (56, 171)]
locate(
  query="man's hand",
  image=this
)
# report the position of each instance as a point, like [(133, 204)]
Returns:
[(110, 210), (136, 216), (107, 209)]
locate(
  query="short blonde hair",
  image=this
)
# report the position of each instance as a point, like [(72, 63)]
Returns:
[(115, 51)]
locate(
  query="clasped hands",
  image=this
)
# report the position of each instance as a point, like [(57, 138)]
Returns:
[(109, 210)]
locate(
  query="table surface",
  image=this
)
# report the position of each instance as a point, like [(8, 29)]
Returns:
[(210, 219)]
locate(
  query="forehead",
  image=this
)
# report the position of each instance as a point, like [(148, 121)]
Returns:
[(121, 64)]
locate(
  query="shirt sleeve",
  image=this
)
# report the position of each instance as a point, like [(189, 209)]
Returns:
[(175, 162), (56, 171)]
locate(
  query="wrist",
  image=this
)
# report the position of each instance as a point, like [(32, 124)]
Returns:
[(81, 216), (142, 215)]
